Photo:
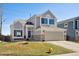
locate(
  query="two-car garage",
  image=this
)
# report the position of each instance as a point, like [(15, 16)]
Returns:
[(50, 34), (54, 35)]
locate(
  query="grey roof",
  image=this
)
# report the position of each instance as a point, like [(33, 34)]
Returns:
[(68, 20), (31, 17), (20, 20), (48, 11)]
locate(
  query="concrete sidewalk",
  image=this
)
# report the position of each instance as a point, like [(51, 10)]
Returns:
[(69, 45)]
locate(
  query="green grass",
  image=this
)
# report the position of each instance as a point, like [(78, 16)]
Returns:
[(30, 49)]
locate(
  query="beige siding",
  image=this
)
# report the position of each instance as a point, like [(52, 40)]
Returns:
[(38, 37), (37, 21), (16, 26), (49, 15)]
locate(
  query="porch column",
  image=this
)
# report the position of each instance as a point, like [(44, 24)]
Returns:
[(26, 32)]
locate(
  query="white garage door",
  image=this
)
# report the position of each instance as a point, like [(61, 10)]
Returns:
[(58, 36)]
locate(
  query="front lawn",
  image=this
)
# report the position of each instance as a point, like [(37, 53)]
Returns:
[(30, 49)]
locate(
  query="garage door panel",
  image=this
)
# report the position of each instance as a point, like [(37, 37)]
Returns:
[(54, 36)]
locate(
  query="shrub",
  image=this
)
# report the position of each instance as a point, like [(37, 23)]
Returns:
[(43, 40), (28, 39), (7, 38), (2, 38)]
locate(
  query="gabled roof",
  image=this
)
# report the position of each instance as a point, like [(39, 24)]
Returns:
[(47, 12), (24, 21), (19, 20), (32, 17), (68, 20)]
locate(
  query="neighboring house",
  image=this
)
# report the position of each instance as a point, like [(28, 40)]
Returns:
[(38, 27), (72, 26)]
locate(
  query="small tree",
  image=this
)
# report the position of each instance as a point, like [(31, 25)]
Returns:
[(1, 18), (1, 14)]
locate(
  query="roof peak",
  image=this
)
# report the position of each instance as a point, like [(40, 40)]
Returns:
[(48, 11)]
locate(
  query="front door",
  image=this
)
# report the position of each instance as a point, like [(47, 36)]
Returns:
[(29, 34)]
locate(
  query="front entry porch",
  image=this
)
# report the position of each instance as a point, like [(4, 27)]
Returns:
[(29, 32)]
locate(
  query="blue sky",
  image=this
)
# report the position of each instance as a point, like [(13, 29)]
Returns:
[(12, 12)]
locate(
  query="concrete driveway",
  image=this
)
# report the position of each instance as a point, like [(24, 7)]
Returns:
[(69, 45)]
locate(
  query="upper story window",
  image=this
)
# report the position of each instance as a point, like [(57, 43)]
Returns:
[(75, 24), (44, 20), (51, 21), (66, 25)]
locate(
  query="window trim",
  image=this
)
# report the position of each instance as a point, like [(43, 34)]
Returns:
[(65, 25), (15, 33), (49, 21)]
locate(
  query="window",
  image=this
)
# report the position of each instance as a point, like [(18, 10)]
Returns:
[(76, 24), (66, 25), (44, 20), (76, 33), (18, 33), (64, 31), (51, 21)]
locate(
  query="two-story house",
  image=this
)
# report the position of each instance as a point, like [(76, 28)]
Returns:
[(38, 27), (72, 26)]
